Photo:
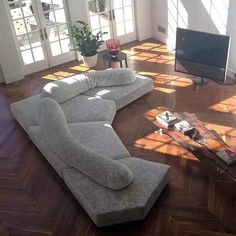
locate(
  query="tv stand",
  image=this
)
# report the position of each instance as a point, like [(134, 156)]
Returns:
[(199, 80)]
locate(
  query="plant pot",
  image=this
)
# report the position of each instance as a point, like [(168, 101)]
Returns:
[(90, 61)]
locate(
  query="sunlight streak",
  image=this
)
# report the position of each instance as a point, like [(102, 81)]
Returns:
[(218, 11)]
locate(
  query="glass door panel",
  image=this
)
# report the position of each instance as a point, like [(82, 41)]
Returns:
[(99, 12), (55, 30), (123, 20), (113, 16), (41, 32), (27, 31)]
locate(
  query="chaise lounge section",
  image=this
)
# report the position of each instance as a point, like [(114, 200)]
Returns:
[(70, 123)]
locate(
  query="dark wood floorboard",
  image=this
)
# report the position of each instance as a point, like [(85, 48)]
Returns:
[(197, 202)]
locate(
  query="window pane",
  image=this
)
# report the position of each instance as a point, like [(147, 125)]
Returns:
[(52, 34), (120, 28), (55, 48), (128, 13), (96, 8), (19, 26), (27, 8), (108, 35), (23, 42), (65, 45), (127, 2), (49, 18), (31, 23), (118, 3), (60, 16), (63, 31), (16, 11), (57, 4), (27, 57), (119, 16), (129, 26), (35, 39), (104, 19), (38, 54), (94, 22)]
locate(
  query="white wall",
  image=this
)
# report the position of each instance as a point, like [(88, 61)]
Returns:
[(143, 12), (9, 59), (198, 18)]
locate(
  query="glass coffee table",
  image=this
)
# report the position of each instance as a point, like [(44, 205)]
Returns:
[(204, 145)]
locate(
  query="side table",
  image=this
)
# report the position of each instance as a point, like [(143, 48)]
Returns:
[(121, 56)]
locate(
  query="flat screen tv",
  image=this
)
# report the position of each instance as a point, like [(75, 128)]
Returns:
[(202, 54)]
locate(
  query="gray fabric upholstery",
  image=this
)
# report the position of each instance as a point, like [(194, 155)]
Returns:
[(107, 207), (41, 143), (85, 109), (99, 137), (65, 89), (24, 111), (123, 95), (53, 124), (111, 77), (110, 185)]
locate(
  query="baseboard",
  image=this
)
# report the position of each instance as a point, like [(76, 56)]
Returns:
[(231, 73), (13, 78)]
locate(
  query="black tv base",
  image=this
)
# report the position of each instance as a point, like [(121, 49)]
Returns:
[(199, 80)]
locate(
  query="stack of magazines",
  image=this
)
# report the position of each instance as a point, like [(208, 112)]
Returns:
[(167, 119)]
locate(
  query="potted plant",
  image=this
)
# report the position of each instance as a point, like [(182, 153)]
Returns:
[(86, 43)]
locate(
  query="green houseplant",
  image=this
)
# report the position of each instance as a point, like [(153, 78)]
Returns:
[(86, 43)]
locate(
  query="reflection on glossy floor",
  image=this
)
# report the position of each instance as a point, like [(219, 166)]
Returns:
[(34, 201)]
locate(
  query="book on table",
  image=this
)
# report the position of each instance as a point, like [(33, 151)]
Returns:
[(184, 127), (228, 156), (167, 119)]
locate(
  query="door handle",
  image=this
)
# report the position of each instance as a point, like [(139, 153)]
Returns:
[(110, 15), (41, 34), (46, 34), (113, 15)]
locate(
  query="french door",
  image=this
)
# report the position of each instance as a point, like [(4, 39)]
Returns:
[(41, 32), (113, 16)]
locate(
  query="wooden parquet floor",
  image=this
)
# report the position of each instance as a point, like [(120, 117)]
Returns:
[(34, 201)]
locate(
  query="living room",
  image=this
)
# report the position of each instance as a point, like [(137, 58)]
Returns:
[(199, 196)]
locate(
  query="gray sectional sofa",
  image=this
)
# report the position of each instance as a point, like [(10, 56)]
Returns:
[(70, 123)]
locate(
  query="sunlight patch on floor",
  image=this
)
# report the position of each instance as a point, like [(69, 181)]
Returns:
[(163, 144), (58, 75)]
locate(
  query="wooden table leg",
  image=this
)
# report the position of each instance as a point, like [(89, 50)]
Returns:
[(109, 64), (121, 64)]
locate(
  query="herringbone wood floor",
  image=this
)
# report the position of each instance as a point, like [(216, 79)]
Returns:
[(34, 201)]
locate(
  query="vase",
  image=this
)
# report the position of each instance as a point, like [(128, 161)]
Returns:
[(90, 61)]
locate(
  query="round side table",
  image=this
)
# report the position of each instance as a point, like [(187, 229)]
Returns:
[(121, 56)]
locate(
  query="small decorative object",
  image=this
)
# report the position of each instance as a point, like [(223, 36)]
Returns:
[(86, 43), (113, 46), (167, 119)]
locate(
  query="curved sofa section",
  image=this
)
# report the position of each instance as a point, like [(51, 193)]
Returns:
[(70, 123)]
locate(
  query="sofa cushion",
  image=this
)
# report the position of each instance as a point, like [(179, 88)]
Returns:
[(106, 206), (85, 109), (41, 143), (24, 111), (99, 137), (111, 77), (123, 95), (65, 89), (101, 169)]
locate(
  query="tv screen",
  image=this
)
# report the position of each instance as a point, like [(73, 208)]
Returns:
[(202, 54)]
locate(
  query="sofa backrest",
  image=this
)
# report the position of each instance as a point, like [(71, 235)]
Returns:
[(101, 169), (65, 89)]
